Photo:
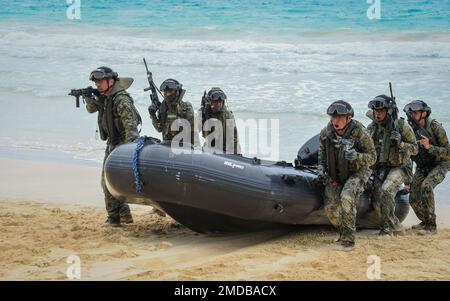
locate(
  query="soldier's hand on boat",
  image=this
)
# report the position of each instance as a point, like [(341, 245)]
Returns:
[(351, 154), (321, 178), (406, 188)]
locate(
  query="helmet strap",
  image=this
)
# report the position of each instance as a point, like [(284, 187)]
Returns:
[(109, 86), (421, 115), (346, 124), (348, 119)]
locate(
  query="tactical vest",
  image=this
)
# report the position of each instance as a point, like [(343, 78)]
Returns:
[(337, 166), (221, 116), (169, 113), (424, 159), (382, 146), (388, 156), (110, 127)]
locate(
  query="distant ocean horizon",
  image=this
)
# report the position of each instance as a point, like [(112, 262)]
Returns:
[(270, 16)]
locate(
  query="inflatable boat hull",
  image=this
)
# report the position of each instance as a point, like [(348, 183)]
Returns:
[(224, 193)]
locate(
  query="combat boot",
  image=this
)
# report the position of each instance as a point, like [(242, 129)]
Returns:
[(127, 219), (431, 228), (399, 230), (347, 245), (113, 221), (428, 230), (385, 233), (420, 226)]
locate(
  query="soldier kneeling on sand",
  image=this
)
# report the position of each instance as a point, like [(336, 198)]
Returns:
[(346, 153), (394, 148), (432, 163)]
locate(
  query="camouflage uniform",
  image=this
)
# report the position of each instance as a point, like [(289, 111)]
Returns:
[(171, 111), (431, 169), (118, 122), (222, 116), (392, 168), (345, 180)]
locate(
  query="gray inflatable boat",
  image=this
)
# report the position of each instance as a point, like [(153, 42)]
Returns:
[(226, 193)]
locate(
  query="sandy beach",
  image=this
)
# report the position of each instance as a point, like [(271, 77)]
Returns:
[(51, 211)]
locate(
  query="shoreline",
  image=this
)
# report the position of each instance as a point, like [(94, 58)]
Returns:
[(49, 177), (44, 155)]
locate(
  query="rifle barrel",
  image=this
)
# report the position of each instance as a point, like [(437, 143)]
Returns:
[(390, 89), (145, 63)]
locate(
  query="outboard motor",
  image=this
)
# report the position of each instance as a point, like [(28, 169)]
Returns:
[(308, 154)]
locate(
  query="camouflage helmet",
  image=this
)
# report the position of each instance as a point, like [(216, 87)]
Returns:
[(171, 84), (103, 73), (340, 108), (417, 105), (216, 94), (380, 102)]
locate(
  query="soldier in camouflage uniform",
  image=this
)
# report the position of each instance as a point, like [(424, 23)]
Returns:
[(432, 163), (216, 116), (346, 153), (394, 149), (118, 122), (172, 108)]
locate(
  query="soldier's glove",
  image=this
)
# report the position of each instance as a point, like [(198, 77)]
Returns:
[(396, 137), (406, 189), (89, 100), (152, 110), (321, 177), (92, 102), (351, 155)]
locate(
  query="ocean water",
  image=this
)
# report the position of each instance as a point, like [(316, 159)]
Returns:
[(250, 16), (284, 60)]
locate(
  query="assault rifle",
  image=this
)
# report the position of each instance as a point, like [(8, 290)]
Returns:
[(347, 143), (86, 92), (156, 104), (421, 131)]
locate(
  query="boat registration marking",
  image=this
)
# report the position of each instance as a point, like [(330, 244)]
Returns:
[(233, 165)]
